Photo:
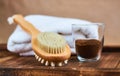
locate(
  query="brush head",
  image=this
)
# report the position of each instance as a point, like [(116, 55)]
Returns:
[(51, 43), (51, 49)]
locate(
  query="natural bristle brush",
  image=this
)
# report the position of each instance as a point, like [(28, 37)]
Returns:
[(49, 48)]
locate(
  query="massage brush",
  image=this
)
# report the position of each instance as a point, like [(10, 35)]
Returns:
[(49, 48)]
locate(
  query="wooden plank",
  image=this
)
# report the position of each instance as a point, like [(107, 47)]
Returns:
[(110, 60), (118, 66), (105, 62), (28, 66), (14, 65)]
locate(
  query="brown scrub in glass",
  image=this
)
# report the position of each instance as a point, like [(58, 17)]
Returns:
[(88, 49)]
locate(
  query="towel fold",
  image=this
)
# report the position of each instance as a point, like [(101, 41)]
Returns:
[(20, 41)]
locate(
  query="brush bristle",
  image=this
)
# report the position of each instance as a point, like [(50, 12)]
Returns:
[(51, 43), (47, 63)]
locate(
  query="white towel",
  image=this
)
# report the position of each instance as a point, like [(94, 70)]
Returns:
[(20, 41)]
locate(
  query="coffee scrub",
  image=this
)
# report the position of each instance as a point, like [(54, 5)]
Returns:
[(88, 48)]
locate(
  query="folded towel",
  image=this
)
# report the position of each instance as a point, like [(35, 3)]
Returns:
[(20, 41)]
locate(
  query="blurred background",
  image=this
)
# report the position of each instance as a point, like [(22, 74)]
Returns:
[(106, 11)]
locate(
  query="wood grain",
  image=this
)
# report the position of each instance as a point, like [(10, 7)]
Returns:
[(14, 65)]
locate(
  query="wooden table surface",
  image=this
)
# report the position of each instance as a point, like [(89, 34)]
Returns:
[(14, 65)]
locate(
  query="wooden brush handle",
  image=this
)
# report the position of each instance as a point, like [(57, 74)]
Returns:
[(28, 27)]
